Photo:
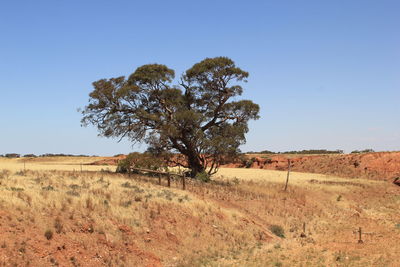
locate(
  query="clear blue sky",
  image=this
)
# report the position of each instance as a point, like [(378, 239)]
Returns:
[(325, 73)]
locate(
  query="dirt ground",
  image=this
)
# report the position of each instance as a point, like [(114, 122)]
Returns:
[(375, 165), (52, 214)]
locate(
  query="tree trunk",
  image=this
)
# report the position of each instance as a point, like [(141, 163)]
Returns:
[(194, 165)]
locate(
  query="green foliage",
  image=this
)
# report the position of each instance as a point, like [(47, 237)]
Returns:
[(30, 156), (199, 118), (123, 166), (203, 176), (362, 151), (57, 155), (16, 189), (277, 230), (12, 155), (308, 151), (250, 162), (142, 161)]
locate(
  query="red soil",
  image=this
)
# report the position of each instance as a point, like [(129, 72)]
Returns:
[(377, 165), (22, 242)]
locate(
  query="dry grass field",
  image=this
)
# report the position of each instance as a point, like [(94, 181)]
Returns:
[(52, 214)]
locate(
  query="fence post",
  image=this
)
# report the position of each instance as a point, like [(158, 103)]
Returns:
[(288, 172), (169, 180), (303, 234), (159, 179), (81, 166), (359, 236), (183, 182)]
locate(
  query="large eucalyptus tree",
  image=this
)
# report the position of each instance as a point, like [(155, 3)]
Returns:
[(199, 117)]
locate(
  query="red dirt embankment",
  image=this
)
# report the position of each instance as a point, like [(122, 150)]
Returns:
[(376, 165)]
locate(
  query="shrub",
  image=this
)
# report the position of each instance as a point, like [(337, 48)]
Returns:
[(204, 177), (30, 156), (5, 174), (58, 225), (16, 189), (268, 160), (142, 161), (48, 188), (12, 155), (250, 162), (277, 230), (125, 203), (48, 234), (73, 193), (20, 173)]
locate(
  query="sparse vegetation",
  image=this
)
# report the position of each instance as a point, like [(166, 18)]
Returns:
[(250, 162), (4, 174), (362, 151), (48, 234), (203, 177), (142, 161), (238, 219), (277, 230), (303, 152), (58, 225)]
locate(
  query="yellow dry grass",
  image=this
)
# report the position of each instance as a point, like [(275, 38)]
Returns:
[(54, 163), (111, 219)]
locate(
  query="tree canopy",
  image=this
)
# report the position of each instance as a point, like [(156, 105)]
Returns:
[(197, 117)]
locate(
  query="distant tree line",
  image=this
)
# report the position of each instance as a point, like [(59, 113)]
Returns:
[(362, 151), (313, 151), (309, 151), (15, 155)]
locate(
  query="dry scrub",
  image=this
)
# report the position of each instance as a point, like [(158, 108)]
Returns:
[(69, 218)]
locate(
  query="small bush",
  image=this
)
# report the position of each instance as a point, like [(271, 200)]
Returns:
[(74, 186), (131, 186), (142, 161), (90, 204), (169, 195), (16, 189), (235, 181), (277, 230), (126, 185), (48, 234), (5, 174), (58, 225), (73, 193), (126, 204), (48, 188), (204, 177), (250, 162), (20, 173)]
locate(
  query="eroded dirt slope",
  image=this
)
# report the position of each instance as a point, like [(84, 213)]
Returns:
[(377, 165)]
